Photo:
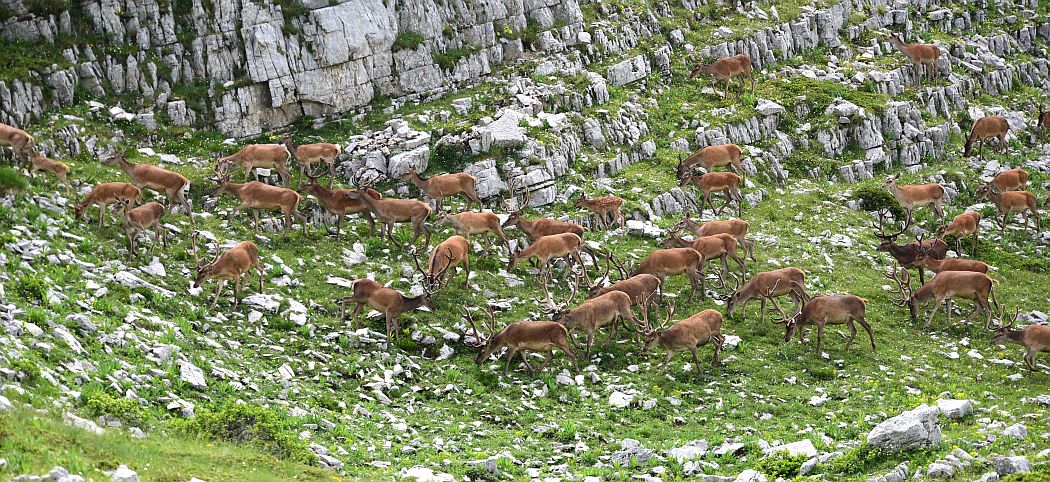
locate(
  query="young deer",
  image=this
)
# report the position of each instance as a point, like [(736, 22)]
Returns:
[(107, 193), (602, 207), (1043, 119), (146, 176), (468, 223), (727, 68), (393, 211), (1007, 203), (253, 156), (916, 196), (712, 182), (445, 185), (521, 337), (688, 334), (963, 225), (711, 157), (718, 246), (336, 201), (257, 195), (734, 227), (1035, 338), (826, 310), (949, 264), (1011, 180), (640, 288), (20, 142), (310, 154), (922, 56), (767, 285), (39, 162), (138, 220), (387, 301), (674, 261), (987, 127), (943, 288), (236, 262), (446, 256), (595, 313)]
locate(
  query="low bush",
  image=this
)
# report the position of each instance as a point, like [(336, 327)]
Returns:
[(11, 180), (408, 40), (256, 425), (781, 464), (124, 409), (874, 198)]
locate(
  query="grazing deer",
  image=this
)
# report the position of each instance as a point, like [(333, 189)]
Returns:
[(963, 225), (566, 246), (767, 285), (720, 246), (712, 182), (905, 254), (943, 288), (602, 207), (446, 256), (253, 156), (727, 68), (674, 261), (147, 176), (640, 288), (1035, 338), (987, 127), (393, 211), (1011, 180), (257, 195), (711, 157), (826, 310), (469, 222), (521, 337), (138, 220), (445, 185), (916, 196), (949, 264), (387, 301), (310, 154), (1043, 119), (688, 334), (236, 262), (337, 202), (39, 162), (538, 228), (595, 313), (20, 142), (107, 193), (1007, 203), (922, 56), (735, 227)]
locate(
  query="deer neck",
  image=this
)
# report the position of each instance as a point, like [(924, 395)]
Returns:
[(417, 180), (412, 303), (292, 147)]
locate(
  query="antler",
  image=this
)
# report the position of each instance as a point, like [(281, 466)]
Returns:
[(479, 341), (880, 232), (670, 309), (769, 295), (625, 271), (1003, 315), (903, 281)]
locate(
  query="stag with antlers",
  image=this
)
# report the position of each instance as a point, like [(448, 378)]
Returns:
[(822, 311), (907, 253), (688, 334), (766, 286), (521, 337), (1035, 338), (640, 287), (448, 255), (393, 211), (257, 195), (391, 303), (718, 246), (943, 288), (595, 313), (538, 228), (338, 203), (735, 227), (234, 264)]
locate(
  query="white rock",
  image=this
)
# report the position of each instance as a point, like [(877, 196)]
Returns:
[(192, 374), (750, 475), (1017, 431), (910, 430), (804, 447), (955, 408), (124, 474), (620, 399), (768, 107), (5, 404), (1011, 465), (423, 474)]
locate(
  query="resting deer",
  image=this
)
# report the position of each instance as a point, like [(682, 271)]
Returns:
[(727, 68), (20, 142), (254, 156), (711, 157), (767, 285), (107, 193), (963, 225), (712, 182), (602, 207), (138, 220), (538, 228), (445, 185), (949, 264), (387, 301), (446, 256), (394, 211), (922, 56), (943, 288), (146, 176), (521, 337), (236, 262), (640, 288), (826, 310), (310, 154), (735, 227), (718, 246), (916, 196), (1007, 203), (337, 202), (672, 262), (905, 254), (1035, 338), (39, 162), (595, 313), (688, 334), (257, 195), (1011, 180), (468, 223), (987, 127)]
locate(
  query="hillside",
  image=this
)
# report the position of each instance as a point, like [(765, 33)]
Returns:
[(110, 360)]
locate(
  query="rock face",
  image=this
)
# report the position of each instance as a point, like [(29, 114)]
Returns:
[(910, 430)]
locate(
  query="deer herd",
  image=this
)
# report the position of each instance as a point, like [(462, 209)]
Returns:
[(555, 243)]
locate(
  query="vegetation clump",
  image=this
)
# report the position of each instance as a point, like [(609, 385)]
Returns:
[(266, 429), (408, 40)]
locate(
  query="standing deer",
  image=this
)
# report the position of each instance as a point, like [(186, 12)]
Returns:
[(446, 256), (905, 254), (138, 220), (963, 225), (387, 301), (107, 193), (767, 285), (943, 288), (1011, 180), (393, 211), (949, 264), (735, 227), (20, 142), (538, 228), (922, 56), (688, 334), (1007, 203), (236, 262), (712, 182), (711, 157), (521, 337), (253, 156), (337, 202), (469, 222), (718, 246), (727, 68), (1043, 119), (671, 262), (987, 127), (310, 154), (146, 176), (257, 195), (445, 185), (1035, 338), (640, 288), (826, 310), (602, 207), (566, 246), (916, 196), (39, 162), (595, 313)]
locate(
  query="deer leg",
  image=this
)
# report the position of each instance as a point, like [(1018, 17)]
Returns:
[(357, 314), (590, 341), (218, 291), (525, 359), (612, 331), (725, 95), (1029, 359), (948, 310), (936, 306), (547, 357), (564, 347), (371, 222), (852, 333), (510, 356), (255, 217), (389, 326), (692, 283), (762, 310), (1002, 225), (718, 340), (466, 268), (864, 324), (101, 215), (667, 360), (820, 335)]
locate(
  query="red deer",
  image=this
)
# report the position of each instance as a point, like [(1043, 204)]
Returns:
[(1011, 180), (387, 301), (254, 156), (236, 262), (922, 56), (827, 310), (393, 211), (107, 193), (38, 162), (671, 262), (469, 222), (446, 256), (1007, 203), (1035, 338), (20, 142), (712, 182), (943, 288), (521, 337), (727, 68), (310, 154), (711, 157), (446, 185), (735, 227), (905, 254), (337, 202), (915, 196), (138, 220), (257, 195), (987, 127), (639, 287), (718, 246), (697, 330), (538, 228), (950, 264), (596, 313), (963, 225), (602, 207), (146, 176), (767, 285)]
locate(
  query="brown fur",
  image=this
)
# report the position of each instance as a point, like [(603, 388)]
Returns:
[(965, 224), (468, 223), (310, 154), (257, 195), (524, 336), (736, 227), (713, 182), (1011, 180), (675, 261), (336, 201), (146, 176), (830, 310), (711, 157), (954, 284), (1007, 203), (727, 68), (232, 264), (140, 219), (252, 156), (784, 281), (602, 207), (38, 162), (596, 313), (445, 185), (916, 196), (18, 140), (922, 56), (387, 301), (105, 194), (393, 211), (1035, 338), (697, 330), (985, 128)]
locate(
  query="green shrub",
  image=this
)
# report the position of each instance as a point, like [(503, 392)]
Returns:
[(447, 60), (874, 198), (1039, 473), (28, 369), (781, 464), (11, 180), (408, 40), (30, 288), (252, 424), (452, 157), (123, 409), (47, 7), (855, 461)]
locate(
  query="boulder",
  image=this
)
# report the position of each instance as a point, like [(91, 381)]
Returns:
[(503, 132), (630, 70), (1011, 465), (910, 430), (955, 408)]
